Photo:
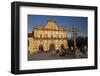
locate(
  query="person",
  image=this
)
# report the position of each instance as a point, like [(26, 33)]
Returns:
[(62, 52), (72, 48)]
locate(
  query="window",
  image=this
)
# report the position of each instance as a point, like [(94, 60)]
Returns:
[(46, 35), (28, 42), (51, 36), (40, 36), (61, 36), (57, 35)]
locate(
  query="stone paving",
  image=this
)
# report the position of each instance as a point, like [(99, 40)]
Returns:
[(53, 55)]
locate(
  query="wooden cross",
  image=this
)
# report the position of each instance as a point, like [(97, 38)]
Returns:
[(74, 30)]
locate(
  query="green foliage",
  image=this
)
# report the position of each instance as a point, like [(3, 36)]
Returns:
[(80, 41)]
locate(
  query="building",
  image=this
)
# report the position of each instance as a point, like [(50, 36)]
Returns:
[(47, 37)]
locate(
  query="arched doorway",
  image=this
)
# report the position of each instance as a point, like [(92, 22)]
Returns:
[(41, 47), (62, 46), (52, 47)]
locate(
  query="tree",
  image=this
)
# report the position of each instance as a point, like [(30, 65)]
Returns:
[(81, 41), (70, 42)]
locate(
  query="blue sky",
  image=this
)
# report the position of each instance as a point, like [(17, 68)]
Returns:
[(62, 21)]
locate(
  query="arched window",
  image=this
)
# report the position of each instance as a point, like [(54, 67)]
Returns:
[(57, 35), (62, 46), (46, 35), (41, 48), (51, 36), (61, 36), (40, 36)]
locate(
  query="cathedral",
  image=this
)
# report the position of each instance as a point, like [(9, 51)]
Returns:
[(48, 37)]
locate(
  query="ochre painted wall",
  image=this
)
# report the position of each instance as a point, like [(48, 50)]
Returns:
[(46, 35)]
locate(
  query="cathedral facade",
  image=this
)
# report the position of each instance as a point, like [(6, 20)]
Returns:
[(47, 37)]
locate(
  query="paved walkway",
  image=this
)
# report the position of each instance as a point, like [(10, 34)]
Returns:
[(53, 56)]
